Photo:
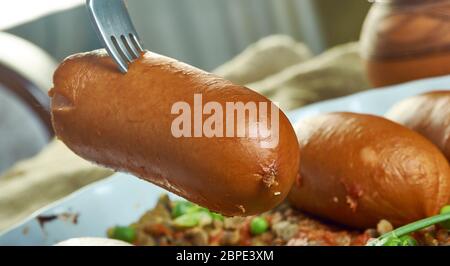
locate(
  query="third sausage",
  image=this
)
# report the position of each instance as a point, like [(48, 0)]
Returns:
[(428, 114)]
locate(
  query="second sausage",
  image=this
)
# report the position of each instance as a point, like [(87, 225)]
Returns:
[(357, 169)]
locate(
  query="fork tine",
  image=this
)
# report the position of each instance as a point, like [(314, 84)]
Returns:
[(130, 48), (118, 58), (122, 49), (116, 30), (136, 42)]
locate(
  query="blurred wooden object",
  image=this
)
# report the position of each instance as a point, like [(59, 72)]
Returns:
[(404, 40), (33, 97), (24, 118)]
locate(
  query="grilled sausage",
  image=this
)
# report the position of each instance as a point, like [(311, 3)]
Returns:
[(358, 169), (125, 122), (428, 114)]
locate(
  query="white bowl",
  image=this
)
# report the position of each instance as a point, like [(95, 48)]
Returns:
[(122, 199)]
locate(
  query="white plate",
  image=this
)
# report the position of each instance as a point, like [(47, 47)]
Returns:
[(121, 199)]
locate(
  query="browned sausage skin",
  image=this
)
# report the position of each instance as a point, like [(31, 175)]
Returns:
[(357, 169), (124, 122), (428, 114)]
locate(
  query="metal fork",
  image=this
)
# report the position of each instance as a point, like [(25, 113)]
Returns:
[(115, 29)]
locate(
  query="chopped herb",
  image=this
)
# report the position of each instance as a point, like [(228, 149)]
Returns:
[(124, 233)]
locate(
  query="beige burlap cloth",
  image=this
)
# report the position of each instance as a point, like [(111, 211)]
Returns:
[(278, 67)]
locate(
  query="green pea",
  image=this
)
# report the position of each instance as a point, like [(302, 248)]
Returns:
[(445, 224), (124, 233), (259, 225), (403, 241), (181, 207)]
